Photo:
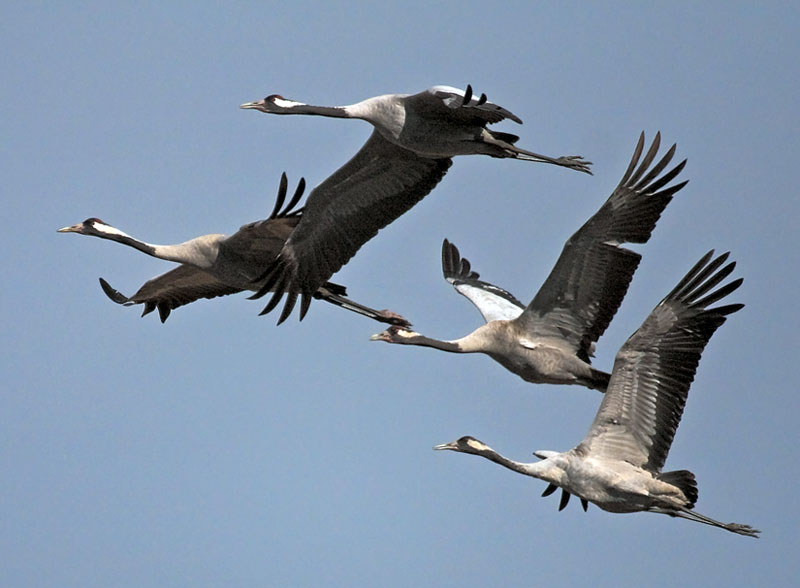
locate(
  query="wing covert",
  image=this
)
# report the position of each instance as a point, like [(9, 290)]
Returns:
[(493, 302), (653, 370), (177, 287), (592, 275), (380, 183)]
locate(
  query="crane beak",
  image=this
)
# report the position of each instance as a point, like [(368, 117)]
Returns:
[(256, 105), (443, 446), (378, 336), (72, 229)]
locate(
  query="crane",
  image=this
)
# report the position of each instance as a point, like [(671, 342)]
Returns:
[(618, 465), (410, 150), (217, 265), (551, 340)]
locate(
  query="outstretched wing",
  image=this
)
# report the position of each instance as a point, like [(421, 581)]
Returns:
[(592, 275), (380, 183), (493, 302), (653, 370), (177, 287)]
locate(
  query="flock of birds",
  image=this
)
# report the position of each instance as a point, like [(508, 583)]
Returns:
[(295, 251)]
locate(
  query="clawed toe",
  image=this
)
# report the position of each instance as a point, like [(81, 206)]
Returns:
[(575, 162), (393, 318)]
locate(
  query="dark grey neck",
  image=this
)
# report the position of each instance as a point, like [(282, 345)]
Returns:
[(505, 462), (332, 111), (130, 242), (200, 252), (423, 341)]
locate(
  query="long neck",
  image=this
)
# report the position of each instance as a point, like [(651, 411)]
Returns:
[(331, 111), (387, 112), (200, 252), (541, 470), (423, 341)]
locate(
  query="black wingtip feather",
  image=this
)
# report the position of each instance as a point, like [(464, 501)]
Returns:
[(467, 96), (656, 169), (665, 179), (305, 304), (291, 300), (648, 159), (270, 277), (280, 197), (565, 496), (298, 193), (114, 295), (637, 153), (273, 302), (690, 274)]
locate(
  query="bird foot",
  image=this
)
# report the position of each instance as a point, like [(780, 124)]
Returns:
[(392, 318), (575, 162)]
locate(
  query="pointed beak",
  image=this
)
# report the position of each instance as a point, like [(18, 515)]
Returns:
[(256, 105), (72, 229), (450, 445), (377, 336)]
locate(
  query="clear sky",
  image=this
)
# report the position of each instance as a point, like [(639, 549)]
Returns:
[(220, 450)]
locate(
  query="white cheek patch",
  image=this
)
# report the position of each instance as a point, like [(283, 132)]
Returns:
[(476, 444), (108, 230), (286, 103)]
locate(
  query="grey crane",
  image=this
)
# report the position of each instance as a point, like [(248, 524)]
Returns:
[(218, 265), (618, 465), (552, 339), (408, 153)]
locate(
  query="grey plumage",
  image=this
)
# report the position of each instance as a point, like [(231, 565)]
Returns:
[(217, 265), (406, 156), (618, 464), (551, 339)]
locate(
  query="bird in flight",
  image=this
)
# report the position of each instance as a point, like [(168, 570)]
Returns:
[(551, 340), (618, 465), (410, 150), (218, 265)]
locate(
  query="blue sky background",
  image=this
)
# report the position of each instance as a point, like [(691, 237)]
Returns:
[(220, 450)]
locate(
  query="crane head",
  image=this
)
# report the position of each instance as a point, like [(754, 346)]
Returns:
[(465, 444), (274, 103)]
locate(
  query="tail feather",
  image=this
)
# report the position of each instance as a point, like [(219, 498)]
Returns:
[(685, 480), (505, 137), (598, 380)]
